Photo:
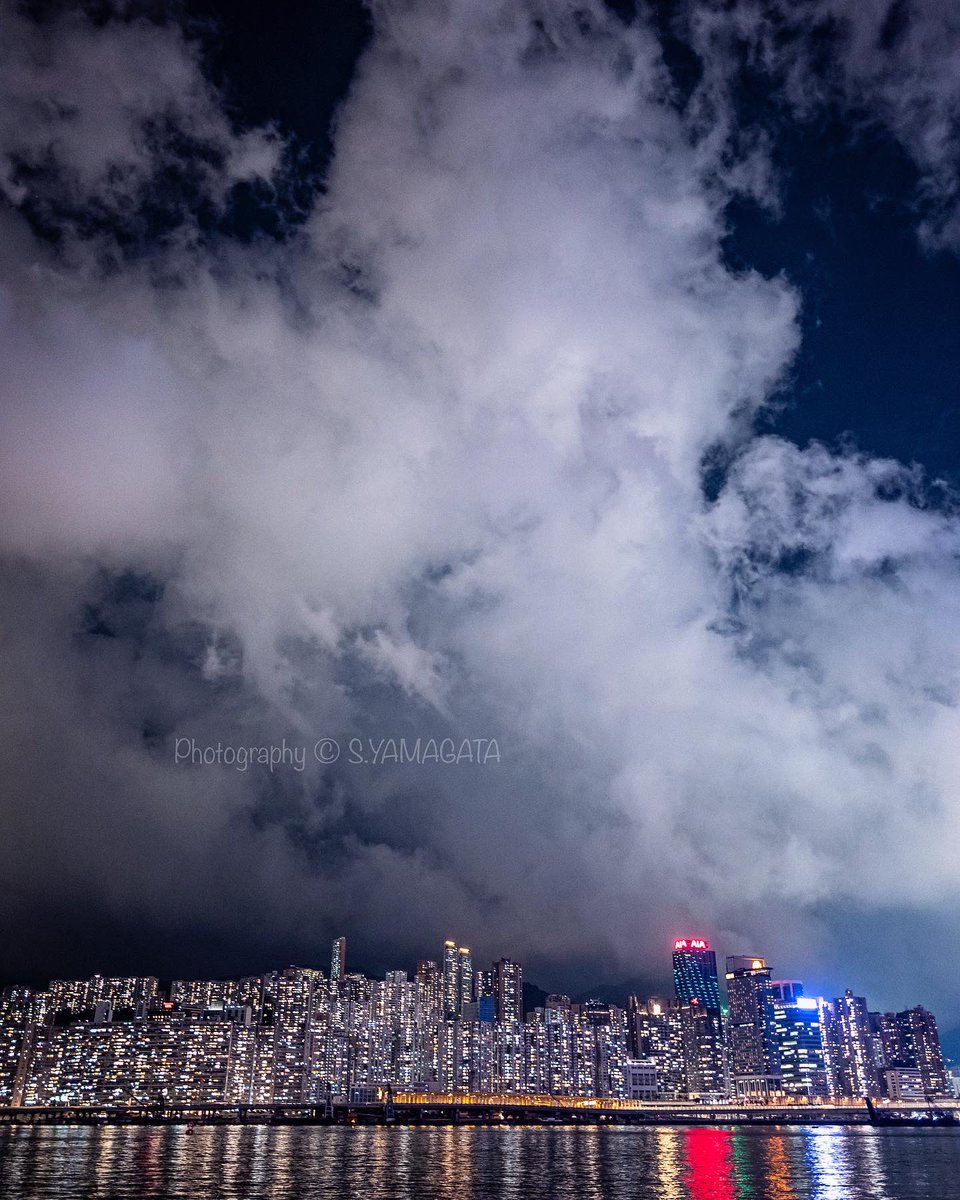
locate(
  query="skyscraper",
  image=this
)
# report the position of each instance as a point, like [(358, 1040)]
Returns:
[(795, 1040), (429, 983), (465, 971), (508, 982), (748, 978), (338, 960), (483, 984), (698, 990), (856, 1073), (451, 979), (695, 973), (702, 1051), (656, 1034), (920, 1042), (457, 978), (287, 1037)]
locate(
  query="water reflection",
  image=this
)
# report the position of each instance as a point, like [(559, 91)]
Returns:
[(670, 1164), (873, 1174), (710, 1169), (451, 1163), (778, 1169), (828, 1158)]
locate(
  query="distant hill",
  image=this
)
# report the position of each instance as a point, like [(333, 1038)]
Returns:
[(608, 993), (533, 997), (950, 1041), (617, 993)]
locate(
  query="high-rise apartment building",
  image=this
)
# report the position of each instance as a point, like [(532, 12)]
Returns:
[(508, 990), (465, 976), (854, 1065), (656, 1035), (919, 1043), (458, 986), (338, 959), (292, 1037), (451, 979)]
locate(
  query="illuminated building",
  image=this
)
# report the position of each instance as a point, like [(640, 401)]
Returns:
[(458, 987), (905, 1083), (698, 990), (508, 1054), (338, 960), (291, 998), (854, 1068), (601, 1049), (453, 1073), (480, 1054), (747, 978), (795, 1042), (21, 1011), (429, 987), (703, 1057), (695, 973), (549, 1049), (201, 993), (656, 1035), (508, 990), (429, 1005), (483, 985), (393, 1011), (292, 1036), (464, 976), (451, 979), (536, 1048), (911, 1041), (172, 1054), (81, 995), (922, 1039)]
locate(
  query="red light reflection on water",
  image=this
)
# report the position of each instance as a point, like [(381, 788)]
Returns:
[(709, 1173)]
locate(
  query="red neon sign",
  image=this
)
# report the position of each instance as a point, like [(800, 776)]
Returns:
[(691, 944)]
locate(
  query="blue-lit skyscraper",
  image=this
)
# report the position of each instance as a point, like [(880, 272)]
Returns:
[(795, 1039), (698, 990), (695, 973)]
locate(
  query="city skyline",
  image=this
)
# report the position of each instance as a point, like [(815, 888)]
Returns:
[(620, 989), (296, 1034), (608, 987)]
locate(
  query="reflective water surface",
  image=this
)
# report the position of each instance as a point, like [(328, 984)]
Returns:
[(664, 1163)]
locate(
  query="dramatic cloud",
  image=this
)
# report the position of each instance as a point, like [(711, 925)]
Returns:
[(433, 465)]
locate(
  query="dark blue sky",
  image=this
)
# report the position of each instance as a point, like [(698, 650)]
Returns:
[(880, 349)]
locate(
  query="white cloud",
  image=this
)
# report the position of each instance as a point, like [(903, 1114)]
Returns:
[(453, 432), (91, 113)]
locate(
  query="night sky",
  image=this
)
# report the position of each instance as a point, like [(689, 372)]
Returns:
[(583, 377)]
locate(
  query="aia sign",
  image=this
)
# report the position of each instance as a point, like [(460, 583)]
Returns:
[(691, 944)]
